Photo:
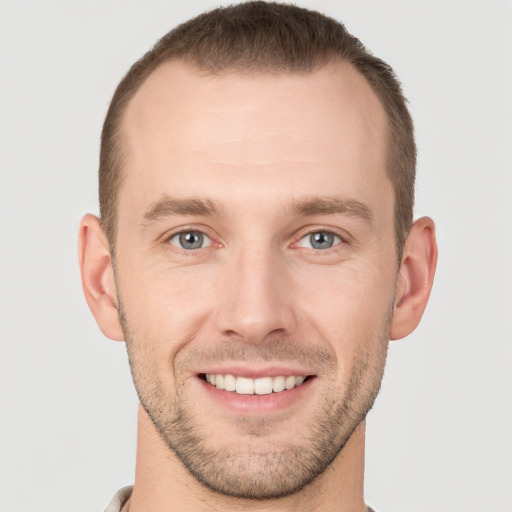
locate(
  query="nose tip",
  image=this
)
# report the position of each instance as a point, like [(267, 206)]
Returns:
[(253, 330)]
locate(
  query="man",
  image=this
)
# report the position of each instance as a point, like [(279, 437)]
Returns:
[(256, 252)]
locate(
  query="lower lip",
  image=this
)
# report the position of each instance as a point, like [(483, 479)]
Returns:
[(257, 404)]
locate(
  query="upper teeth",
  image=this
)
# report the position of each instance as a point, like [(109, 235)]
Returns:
[(261, 386)]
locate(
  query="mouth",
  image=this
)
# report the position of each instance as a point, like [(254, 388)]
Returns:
[(259, 386), (260, 391)]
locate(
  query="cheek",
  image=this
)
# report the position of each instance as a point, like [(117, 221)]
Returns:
[(350, 308), (166, 306), (348, 294), (161, 317)]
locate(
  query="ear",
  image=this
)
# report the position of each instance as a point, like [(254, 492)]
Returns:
[(98, 276), (415, 278)]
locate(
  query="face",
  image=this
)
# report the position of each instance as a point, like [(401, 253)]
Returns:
[(256, 268)]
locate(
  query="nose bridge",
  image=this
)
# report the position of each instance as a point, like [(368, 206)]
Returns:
[(257, 294)]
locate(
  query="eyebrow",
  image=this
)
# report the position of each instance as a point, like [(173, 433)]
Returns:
[(204, 207), (333, 206), (169, 206)]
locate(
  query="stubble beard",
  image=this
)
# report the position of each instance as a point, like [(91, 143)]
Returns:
[(272, 472)]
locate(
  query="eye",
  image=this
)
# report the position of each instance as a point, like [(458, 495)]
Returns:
[(319, 240), (190, 240)]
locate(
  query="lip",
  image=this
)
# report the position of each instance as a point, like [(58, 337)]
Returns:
[(256, 405)]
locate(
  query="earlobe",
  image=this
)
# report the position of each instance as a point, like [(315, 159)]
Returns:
[(98, 276), (415, 278)]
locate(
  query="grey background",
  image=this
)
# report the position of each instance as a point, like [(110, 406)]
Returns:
[(439, 437)]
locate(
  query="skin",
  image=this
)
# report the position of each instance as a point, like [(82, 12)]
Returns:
[(272, 159)]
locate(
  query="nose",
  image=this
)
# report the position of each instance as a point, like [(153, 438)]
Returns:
[(256, 299)]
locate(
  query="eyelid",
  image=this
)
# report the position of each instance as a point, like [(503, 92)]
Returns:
[(342, 238), (206, 239), (203, 230), (336, 241)]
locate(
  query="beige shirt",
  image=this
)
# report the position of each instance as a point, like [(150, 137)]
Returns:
[(119, 499), (123, 494)]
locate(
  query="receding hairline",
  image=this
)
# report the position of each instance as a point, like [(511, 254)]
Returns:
[(381, 118), (341, 71)]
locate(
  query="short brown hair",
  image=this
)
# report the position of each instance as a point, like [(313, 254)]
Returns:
[(265, 37)]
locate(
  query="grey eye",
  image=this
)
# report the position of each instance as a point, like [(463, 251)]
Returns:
[(190, 240), (320, 240)]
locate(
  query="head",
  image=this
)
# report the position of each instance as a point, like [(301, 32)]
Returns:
[(261, 37), (256, 190)]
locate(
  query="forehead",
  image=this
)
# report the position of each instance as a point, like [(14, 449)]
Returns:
[(202, 132)]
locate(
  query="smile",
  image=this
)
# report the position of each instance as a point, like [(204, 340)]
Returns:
[(260, 386)]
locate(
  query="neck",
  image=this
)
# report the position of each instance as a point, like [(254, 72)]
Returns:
[(163, 484)]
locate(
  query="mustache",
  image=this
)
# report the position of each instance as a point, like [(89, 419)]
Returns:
[(278, 349)]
